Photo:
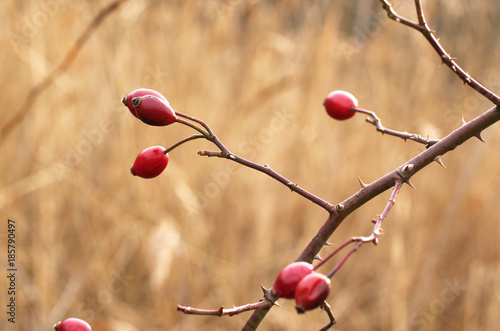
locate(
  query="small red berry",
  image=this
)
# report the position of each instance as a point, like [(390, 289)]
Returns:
[(340, 105), (311, 291), (150, 162), (288, 278), (127, 99), (153, 110), (72, 324)]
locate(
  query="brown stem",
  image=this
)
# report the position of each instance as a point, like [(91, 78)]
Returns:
[(177, 144), (424, 29), (225, 311), (273, 174), (56, 72), (375, 120)]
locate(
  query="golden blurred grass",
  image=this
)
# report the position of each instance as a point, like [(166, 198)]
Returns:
[(96, 243)]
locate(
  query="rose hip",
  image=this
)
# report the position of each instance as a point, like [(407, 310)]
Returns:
[(72, 324), (311, 291), (150, 162), (288, 278), (127, 99), (340, 105)]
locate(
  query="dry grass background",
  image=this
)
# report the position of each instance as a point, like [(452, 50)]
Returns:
[(97, 243)]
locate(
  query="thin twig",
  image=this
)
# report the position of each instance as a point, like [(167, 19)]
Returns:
[(225, 311), (70, 56), (375, 120), (446, 58), (273, 174), (326, 307)]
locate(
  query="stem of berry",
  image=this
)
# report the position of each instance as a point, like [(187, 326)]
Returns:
[(192, 126), (177, 144), (375, 120)]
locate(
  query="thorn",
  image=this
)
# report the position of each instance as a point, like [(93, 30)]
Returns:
[(317, 257), (463, 121), (328, 244), (266, 291), (408, 181), (375, 241), (438, 160), (277, 304), (361, 183), (340, 207), (478, 136)]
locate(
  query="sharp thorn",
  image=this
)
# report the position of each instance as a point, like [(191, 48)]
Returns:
[(361, 183), (478, 136), (463, 121), (410, 183), (328, 244), (439, 161), (317, 257), (277, 304), (265, 290)]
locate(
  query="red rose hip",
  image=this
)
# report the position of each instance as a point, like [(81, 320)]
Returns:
[(72, 324), (127, 99), (288, 278), (153, 110), (150, 162), (340, 105), (311, 291)]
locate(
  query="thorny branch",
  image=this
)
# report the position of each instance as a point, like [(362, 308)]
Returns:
[(375, 120), (403, 173), (446, 58)]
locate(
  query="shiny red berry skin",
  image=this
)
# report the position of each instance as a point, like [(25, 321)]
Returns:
[(339, 105), (150, 162), (288, 278), (311, 291), (153, 110), (127, 99), (72, 324)]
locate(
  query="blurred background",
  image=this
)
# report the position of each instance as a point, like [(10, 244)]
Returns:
[(122, 252)]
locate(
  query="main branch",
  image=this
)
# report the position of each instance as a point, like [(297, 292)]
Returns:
[(402, 173)]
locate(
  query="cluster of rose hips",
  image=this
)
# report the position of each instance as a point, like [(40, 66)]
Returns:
[(299, 280), (152, 108), (72, 324)]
